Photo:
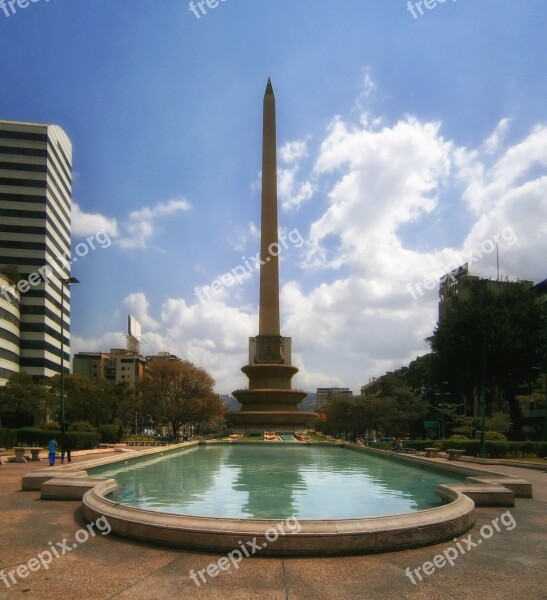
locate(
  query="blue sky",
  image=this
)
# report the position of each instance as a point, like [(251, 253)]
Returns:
[(404, 144)]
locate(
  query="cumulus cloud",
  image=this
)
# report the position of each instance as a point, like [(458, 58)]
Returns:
[(352, 306), (293, 193), (141, 224), (138, 306), (86, 224)]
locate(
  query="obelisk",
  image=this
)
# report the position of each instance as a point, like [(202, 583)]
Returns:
[(269, 402), (269, 269)]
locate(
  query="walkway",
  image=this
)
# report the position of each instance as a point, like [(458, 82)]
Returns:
[(510, 565)]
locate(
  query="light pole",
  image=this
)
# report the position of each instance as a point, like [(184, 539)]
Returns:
[(482, 452), (64, 282), (441, 407)]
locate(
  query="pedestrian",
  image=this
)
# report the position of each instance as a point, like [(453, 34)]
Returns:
[(52, 451), (65, 448)]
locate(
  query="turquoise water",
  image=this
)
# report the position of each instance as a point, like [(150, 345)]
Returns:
[(275, 482)]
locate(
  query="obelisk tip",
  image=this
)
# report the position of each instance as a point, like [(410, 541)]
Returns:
[(269, 88)]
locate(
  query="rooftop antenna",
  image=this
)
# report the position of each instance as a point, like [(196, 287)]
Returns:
[(497, 259)]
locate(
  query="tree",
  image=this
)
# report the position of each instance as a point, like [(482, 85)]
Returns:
[(83, 399), (393, 406), (536, 397), (495, 335), (25, 399), (178, 392), (500, 422)]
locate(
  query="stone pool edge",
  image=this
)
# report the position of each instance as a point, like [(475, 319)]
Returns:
[(316, 537)]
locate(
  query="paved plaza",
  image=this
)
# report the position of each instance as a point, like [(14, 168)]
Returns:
[(510, 564)]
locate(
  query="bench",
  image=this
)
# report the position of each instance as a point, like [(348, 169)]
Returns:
[(455, 454), (431, 452), (20, 453)]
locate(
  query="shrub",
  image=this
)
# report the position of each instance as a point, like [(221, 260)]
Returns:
[(79, 440), (458, 437), (8, 438), (417, 444), (108, 433), (81, 426), (494, 435), (51, 426)]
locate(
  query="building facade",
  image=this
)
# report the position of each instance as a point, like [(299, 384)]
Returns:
[(10, 333), (325, 395), (35, 237), (118, 365)]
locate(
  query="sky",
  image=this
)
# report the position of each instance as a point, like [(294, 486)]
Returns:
[(408, 144)]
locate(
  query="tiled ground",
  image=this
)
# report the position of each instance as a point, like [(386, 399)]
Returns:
[(511, 564)]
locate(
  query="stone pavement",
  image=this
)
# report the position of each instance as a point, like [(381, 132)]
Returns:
[(509, 565)]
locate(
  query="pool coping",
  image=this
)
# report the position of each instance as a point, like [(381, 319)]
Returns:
[(314, 537)]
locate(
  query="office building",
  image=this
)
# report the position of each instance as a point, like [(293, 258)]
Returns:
[(9, 329), (325, 395), (35, 235)]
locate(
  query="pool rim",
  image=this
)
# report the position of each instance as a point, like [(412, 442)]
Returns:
[(316, 536), (91, 471)]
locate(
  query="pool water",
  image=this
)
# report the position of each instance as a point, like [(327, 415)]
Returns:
[(274, 482)]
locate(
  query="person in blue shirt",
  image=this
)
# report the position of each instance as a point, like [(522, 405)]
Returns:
[(52, 450)]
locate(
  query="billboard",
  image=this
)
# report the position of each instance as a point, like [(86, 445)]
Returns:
[(455, 275), (133, 327)]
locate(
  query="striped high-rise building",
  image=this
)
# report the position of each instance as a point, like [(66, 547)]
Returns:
[(10, 334), (35, 236)]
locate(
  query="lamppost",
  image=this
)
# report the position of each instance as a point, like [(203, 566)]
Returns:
[(482, 452), (441, 407), (64, 282), (545, 367)]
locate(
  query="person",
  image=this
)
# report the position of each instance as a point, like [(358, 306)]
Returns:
[(52, 450), (65, 448)]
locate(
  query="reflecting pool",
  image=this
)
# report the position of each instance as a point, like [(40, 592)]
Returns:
[(275, 481)]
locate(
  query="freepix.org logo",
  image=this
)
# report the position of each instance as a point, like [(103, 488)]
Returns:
[(9, 7)]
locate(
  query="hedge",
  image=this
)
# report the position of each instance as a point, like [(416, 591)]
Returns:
[(419, 444), (493, 448), (8, 438), (79, 440)]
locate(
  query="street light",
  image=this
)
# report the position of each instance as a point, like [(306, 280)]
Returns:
[(64, 282), (442, 407)]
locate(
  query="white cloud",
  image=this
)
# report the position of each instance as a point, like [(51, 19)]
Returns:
[(86, 224), (293, 151), (494, 141), (138, 306), (348, 309), (293, 193), (141, 224)]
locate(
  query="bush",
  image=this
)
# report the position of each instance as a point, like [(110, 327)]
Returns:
[(494, 435), (79, 440), (495, 448), (419, 444), (145, 438), (458, 437), (51, 426), (81, 426), (8, 438), (109, 434)]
